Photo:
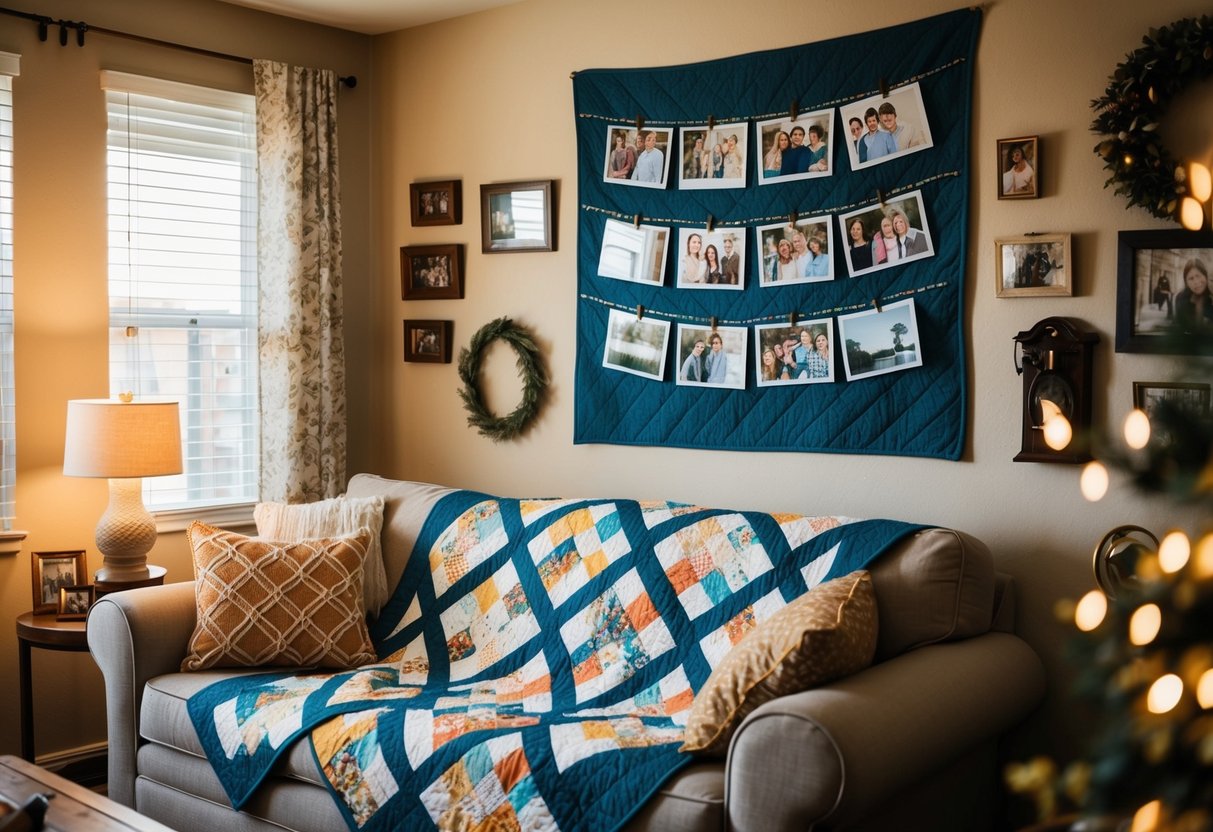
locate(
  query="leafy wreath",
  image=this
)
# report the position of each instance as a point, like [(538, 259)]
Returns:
[(1132, 107), (530, 366)]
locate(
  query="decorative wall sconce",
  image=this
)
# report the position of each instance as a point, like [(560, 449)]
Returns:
[(1054, 358)]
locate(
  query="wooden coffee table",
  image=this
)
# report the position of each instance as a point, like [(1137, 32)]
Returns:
[(73, 807)]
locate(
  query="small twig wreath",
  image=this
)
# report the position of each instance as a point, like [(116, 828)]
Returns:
[(530, 367), (1133, 105)]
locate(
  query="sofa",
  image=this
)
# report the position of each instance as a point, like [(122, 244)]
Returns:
[(909, 743)]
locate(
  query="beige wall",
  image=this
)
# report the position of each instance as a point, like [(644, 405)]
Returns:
[(60, 275), (488, 98)]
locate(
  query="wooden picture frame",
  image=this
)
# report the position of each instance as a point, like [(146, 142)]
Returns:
[(75, 602), (1019, 177), (1155, 312), (436, 203), (1033, 265), (428, 341), (517, 216), (50, 571), (1190, 396), (430, 272)]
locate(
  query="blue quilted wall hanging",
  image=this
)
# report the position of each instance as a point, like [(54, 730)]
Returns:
[(771, 246)]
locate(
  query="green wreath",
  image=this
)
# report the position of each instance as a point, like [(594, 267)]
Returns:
[(530, 366), (1133, 105)]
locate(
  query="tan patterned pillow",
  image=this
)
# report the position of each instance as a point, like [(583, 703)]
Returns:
[(277, 604), (825, 634)]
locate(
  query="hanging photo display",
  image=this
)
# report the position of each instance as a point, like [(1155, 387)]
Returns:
[(635, 345), (637, 156), (880, 341), (635, 253), (896, 232), (798, 354), (795, 252), (797, 148), (711, 259), (714, 156), (893, 126)]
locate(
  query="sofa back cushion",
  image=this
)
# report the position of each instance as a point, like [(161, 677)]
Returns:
[(405, 506)]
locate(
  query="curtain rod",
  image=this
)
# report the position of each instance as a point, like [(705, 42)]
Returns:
[(80, 27)]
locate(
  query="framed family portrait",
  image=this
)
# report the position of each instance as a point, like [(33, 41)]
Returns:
[(517, 216), (53, 571), (1163, 302), (431, 272), (436, 203), (1019, 168), (1033, 265), (75, 601), (428, 341)]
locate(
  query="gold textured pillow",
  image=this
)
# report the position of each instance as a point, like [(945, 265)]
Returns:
[(825, 634), (278, 604)]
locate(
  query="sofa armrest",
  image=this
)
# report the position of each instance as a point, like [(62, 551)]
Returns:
[(840, 750), (134, 636)]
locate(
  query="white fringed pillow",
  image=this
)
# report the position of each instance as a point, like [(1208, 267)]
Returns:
[(333, 518)]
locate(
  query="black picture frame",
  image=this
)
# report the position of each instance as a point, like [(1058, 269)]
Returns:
[(428, 341), (1149, 317), (517, 216), (436, 203), (419, 264)]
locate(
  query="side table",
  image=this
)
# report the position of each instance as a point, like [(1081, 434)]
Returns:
[(73, 807), (45, 631)]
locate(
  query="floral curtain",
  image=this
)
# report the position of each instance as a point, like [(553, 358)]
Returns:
[(300, 340)]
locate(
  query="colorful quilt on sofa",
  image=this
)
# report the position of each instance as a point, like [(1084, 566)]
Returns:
[(537, 661)]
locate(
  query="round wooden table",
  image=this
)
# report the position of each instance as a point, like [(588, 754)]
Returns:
[(44, 631)]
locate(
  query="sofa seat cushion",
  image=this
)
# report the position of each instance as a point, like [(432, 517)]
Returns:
[(164, 719)]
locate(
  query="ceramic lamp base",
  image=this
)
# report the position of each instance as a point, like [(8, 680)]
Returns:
[(125, 534)]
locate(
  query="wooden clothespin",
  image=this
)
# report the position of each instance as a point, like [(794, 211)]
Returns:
[(792, 219), (711, 122), (884, 87), (794, 109), (880, 197), (792, 316), (712, 320), (711, 223), (639, 312), (639, 122), (876, 305), (636, 221)]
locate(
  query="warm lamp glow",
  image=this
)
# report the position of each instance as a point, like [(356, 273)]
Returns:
[(1090, 611), (1203, 565), (1058, 433), (1204, 689), (1094, 481), (1164, 694), (1137, 429), (1146, 818), (1173, 552), (1200, 181), (1145, 624), (1191, 214)]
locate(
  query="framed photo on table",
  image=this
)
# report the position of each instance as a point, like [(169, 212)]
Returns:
[(1019, 168), (1033, 265), (75, 601), (1164, 295), (431, 272), (436, 203), (53, 571), (517, 216)]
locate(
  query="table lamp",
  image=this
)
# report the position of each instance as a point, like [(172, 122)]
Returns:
[(124, 441)]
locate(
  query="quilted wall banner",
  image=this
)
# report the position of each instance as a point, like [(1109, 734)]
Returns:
[(771, 247)]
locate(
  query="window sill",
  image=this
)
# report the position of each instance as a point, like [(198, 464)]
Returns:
[(10, 542), (236, 516)]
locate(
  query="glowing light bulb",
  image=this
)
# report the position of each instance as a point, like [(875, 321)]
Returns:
[(1146, 818), (1137, 429), (1145, 624), (1164, 694), (1090, 611), (1191, 214), (1058, 432), (1204, 689), (1094, 481), (1203, 565), (1173, 552), (1200, 181)]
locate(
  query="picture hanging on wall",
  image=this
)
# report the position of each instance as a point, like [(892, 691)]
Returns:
[(431, 272), (636, 253), (712, 357), (1019, 168), (894, 125), (1032, 266), (636, 345), (711, 259), (795, 354), (517, 216), (897, 231), (880, 341), (637, 157), (795, 252), (436, 203), (1164, 295), (713, 156), (797, 148)]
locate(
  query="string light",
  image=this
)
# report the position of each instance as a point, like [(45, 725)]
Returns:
[(1204, 689), (1094, 481), (1090, 611), (1146, 818), (1173, 552), (1145, 624), (1164, 694), (1137, 429), (1058, 432), (1200, 185)]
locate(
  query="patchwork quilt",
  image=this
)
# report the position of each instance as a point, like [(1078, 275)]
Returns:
[(537, 661)]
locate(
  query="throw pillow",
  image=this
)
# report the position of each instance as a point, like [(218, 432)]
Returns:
[(278, 604), (331, 518), (825, 634)]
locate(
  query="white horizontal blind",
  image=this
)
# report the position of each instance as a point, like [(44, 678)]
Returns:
[(181, 166), (8, 434)]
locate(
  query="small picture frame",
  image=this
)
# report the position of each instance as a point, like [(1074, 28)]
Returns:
[(52, 571), (1019, 168), (1193, 397), (75, 602), (428, 342), (436, 203), (517, 216), (1034, 265), (431, 272), (1164, 292)]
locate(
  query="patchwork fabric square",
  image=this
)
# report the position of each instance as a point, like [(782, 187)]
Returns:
[(267, 714), (708, 561), (474, 537), (721, 640), (347, 747), (669, 697), (535, 510), (656, 512), (576, 741), (799, 529), (490, 788), (578, 546), (490, 622)]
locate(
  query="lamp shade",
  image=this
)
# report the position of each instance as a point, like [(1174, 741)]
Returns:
[(109, 438)]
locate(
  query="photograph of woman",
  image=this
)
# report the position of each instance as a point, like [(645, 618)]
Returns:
[(694, 267), (773, 159), (720, 151), (791, 150), (712, 357), (711, 259), (799, 354), (1018, 173), (798, 253), (623, 157), (859, 247), (1193, 305), (899, 229)]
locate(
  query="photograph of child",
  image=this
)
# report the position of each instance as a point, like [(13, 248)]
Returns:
[(635, 254), (879, 236), (799, 149), (637, 157), (711, 259), (712, 357), (879, 342), (893, 126), (713, 157), (800, 354), (636, 345), (797, 253)]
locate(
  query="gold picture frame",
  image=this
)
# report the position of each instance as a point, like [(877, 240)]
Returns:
[(1033, 265), (52, 571)]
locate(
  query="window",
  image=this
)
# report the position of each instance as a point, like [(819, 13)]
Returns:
[(181, 167), (8, 435)]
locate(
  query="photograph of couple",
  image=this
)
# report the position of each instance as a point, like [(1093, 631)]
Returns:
[(800, 354), (712, 357), (637, 157), (635, 254), (714, 157), (880, 128), (711, 259), (880, 341), (879, 236), (797, 149), (797, 253)]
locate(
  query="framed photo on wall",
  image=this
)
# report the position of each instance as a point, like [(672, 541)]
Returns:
[(1033, 265), (517, 216), (51, 572), (1163, 292), (1019, 168), (436, 203), (428, 341), (431, 272), (75, 601)]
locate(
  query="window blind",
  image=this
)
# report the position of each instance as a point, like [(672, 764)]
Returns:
[(181, 167), (8, 433)]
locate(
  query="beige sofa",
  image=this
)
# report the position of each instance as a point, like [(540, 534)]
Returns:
[(910, 743)]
